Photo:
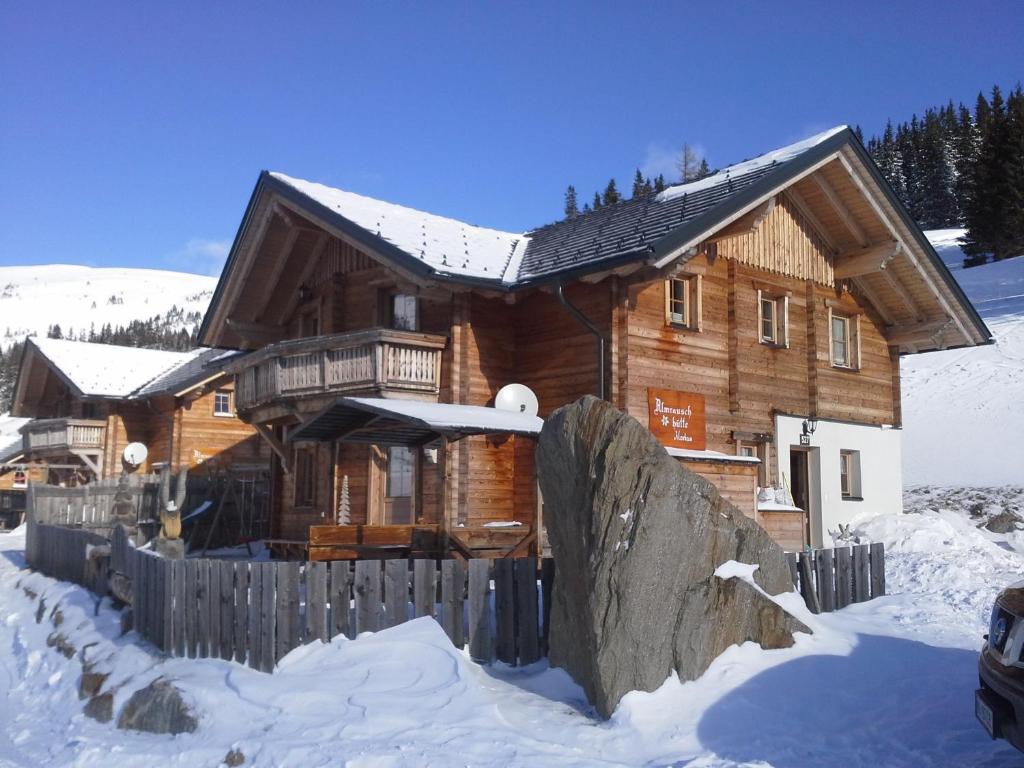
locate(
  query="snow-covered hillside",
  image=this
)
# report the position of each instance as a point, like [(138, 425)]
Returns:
[(34, 298), (963, 410)]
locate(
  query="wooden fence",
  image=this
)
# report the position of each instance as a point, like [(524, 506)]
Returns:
[(256, 612), (830, 579), (63, 553), (91, 506)]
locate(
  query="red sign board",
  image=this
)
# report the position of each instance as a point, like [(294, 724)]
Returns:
[(676, 418)]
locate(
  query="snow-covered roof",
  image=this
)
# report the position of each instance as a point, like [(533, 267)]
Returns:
[(446, 416), (411, 422), (692, 455), (108, 370), (446, 245), (776, 156)]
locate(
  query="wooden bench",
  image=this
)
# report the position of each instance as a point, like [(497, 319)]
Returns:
[(373, 542)]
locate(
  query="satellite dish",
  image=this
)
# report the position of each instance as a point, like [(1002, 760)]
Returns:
[(134, 454), (517, 398)]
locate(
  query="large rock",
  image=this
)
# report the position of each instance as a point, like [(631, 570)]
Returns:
[(636, 540), (157, 708)]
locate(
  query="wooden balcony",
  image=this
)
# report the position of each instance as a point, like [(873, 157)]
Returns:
[(63, 435), (377, 361)]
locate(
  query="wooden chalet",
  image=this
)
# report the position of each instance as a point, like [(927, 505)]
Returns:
[(753, 319), (88, 401)]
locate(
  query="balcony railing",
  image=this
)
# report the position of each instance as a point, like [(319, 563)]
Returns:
[(372, 362), (63, 434)]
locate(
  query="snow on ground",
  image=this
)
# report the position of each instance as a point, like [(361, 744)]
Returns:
[(75, 297), (962, 408), (884, 683)]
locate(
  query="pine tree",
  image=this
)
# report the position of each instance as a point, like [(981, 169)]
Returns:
[(597, 201), (54, 332), (703, 171), (659, 183), (611, 194), (1015, 171), (638, 184), (688, 164), (571, 211), (990, 207)]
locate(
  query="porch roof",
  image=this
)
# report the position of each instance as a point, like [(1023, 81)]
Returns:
[(384, 421)]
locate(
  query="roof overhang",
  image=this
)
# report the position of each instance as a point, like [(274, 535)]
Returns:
[(393, 422)]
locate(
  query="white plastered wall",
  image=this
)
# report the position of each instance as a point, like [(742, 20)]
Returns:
[(881, 478)]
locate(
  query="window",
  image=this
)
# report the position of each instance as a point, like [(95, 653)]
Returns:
[(404, 315), (843, 335), (773, 319), (222, 403), (305, 481), (683, 302), (20, 479), (400, 478), (849, 474), (757, 451), (88, 410)]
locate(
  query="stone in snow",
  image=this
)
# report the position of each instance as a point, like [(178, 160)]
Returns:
[(635, 596)]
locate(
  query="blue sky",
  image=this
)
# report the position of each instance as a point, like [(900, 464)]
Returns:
[(131, 134)]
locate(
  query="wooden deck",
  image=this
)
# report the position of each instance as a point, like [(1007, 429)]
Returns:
[(381, 542)]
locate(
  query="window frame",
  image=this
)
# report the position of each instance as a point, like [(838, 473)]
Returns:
[(851, 340), (692, 285), (779, 319), (304, 492), (849, 471), (217, 394), (23, 482), (392, 314), (758, 450)]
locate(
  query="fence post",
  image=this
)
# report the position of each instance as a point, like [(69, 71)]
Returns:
[(861, 574), (877, 557), (844, 577), (479, 610), (810, 594), (826, 580)]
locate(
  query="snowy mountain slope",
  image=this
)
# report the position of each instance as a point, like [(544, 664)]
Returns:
[(963, 410), (74, 297)]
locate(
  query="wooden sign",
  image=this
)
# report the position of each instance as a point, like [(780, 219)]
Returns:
[(676, 418)]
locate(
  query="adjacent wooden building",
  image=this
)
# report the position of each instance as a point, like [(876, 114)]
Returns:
[(753, 319), (88, 401)]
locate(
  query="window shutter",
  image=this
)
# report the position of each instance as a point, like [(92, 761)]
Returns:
[(785, 321), (698, 304), (668, 302), (855, 341), (828, 339), (760, 319)]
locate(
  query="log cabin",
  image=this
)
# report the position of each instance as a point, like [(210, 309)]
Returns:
[(753, 319), (88, 401), (14, 476)]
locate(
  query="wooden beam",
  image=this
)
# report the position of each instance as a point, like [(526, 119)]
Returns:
[(909, 252), (96, 465), (841, 210), (917, 333), (904, 295), (259, 334), (864, 262), (805, 210), (746, 223), (276, 446), (292, 302), (281, 263), (868, 293)]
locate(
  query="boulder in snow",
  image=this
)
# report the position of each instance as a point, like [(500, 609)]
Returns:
[(157, 708), (636, 539)]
